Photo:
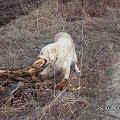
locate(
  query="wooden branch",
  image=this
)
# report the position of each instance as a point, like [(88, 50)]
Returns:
[(20, 74)]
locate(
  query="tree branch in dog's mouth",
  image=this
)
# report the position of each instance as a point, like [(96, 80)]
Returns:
[(40, 62), (35, 66)]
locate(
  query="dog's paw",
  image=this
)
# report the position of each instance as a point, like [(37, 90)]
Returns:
[(61, 85), (78, 74), (78, 71)]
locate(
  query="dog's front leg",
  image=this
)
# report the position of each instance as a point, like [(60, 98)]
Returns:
[(47, 70), (65, 81), (66, 73)]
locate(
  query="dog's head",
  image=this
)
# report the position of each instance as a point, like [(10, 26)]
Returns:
[(48, 53)]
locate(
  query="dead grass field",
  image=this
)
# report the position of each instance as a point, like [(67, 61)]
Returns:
[(95, 29)]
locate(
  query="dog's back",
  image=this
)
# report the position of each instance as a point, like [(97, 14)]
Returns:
[(62, 35)]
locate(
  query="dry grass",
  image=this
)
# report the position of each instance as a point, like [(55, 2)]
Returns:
[(95, 30)]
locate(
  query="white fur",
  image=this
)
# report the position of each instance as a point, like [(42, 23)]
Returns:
[(60, 55)]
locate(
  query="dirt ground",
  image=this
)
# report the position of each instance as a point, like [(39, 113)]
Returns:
[(97, 41)]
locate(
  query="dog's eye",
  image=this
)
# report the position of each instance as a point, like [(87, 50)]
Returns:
[(41, 53)]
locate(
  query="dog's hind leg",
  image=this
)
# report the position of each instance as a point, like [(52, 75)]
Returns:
[(76, 68), (75, 63)]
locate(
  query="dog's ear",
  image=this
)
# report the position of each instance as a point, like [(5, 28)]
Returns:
[(53, 53)]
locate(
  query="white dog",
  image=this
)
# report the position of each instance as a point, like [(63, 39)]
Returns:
[(59, 55)]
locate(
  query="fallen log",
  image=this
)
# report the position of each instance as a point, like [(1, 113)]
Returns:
[(16, 75), (20, 73)]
